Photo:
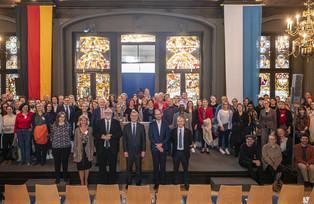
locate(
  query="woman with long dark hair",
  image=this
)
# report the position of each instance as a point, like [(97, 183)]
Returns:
[(23, 124), (240, 128)]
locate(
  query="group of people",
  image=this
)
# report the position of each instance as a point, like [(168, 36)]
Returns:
[(57, 126)]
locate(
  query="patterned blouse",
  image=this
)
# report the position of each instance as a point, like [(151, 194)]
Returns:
[(60, 136)]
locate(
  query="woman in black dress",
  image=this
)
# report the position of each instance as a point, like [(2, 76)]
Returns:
[(240, 128), (83, 148)]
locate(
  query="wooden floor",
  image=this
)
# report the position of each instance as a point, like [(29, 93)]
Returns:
[(213, 162)]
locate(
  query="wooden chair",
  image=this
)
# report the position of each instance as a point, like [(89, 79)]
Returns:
[(47, 194), (138, 194), (14, 194), (77, 195), (291, 194), (199, 194), (169, 194), (107, 194), (229, 195), (311, 198), (260, 195)]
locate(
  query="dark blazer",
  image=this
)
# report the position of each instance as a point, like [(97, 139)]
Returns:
[(78, 113), (155, 138), (289, 118), (115, 130), (287, 154), (168, 114), (95, 116), (61, 108), (187, 140), (131, 146), (147, 114)]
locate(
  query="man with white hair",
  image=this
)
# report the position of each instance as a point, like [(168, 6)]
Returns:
[(107, 132)]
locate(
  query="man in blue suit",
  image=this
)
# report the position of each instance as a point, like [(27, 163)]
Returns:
[(159, 134)]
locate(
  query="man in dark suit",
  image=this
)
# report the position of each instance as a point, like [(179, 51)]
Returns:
[(181, 139), (67, 109), (99, 113), (159, 134), (107, 132), (134, 146)]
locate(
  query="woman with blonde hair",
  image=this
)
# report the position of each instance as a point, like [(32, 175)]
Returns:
[(83, 148)]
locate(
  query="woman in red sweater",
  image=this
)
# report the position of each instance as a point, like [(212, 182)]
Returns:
[(23, 132)]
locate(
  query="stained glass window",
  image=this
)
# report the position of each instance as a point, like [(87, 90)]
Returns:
[(264, 82), (173, 84), (192, 87), (265, 52), (83, 85), (282, 51), (282, 85), (10, 83), (134, 38), (183, 52), (93, 52), (102, 85), (11, 52)]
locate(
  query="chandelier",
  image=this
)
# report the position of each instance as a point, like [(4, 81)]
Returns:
[(302, 31)]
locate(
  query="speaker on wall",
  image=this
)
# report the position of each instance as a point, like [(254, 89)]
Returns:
[(19, 86), (296, 88)]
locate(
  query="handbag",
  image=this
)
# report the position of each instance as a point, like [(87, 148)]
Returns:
[(41, 134)]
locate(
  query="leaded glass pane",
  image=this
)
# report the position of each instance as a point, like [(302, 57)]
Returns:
[(102, 85), (192, 86), (282, 85), (183, 52), (264, 80), (265, 52), (173, 84), (11, 52), (10, 83), (93, 52), (133, 38), (83, 85), (282, 51)]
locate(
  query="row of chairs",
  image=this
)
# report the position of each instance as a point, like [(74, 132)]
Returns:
[(167, 194)]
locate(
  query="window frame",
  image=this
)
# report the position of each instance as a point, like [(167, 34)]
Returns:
[(273, 70), (92, 72), (3, 57), (183, 72)]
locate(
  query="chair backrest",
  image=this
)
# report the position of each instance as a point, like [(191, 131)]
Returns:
[(260, 195), (47, 194), (291, 194), (138, 194), (199, 194), (311, 198), (169, 194), (77, 195), (229, 195), (108, 194), (16, 194)]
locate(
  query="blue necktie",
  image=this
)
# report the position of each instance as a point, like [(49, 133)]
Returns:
[(180, 140)]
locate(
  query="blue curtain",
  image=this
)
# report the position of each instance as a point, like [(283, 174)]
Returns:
[(252, 23), (133, 82)]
